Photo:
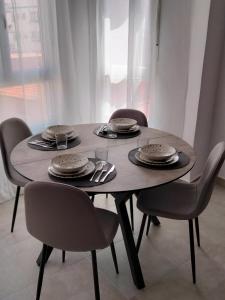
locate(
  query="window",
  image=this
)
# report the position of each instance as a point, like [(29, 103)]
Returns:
[(34, 16), (21, 61)]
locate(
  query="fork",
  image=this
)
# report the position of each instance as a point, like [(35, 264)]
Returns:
[(45, 142), (42, 145), (99, 166), (103, 170)]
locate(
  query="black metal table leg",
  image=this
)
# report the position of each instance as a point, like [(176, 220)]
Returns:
[(15, 207), (47, 255), (155, 221), (120, 201)]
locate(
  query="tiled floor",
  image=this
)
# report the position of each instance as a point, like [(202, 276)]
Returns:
[(164, 256)]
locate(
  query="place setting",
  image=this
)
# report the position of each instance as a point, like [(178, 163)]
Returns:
[(57, 137), (159, 156), (119, 128), (80, 170)]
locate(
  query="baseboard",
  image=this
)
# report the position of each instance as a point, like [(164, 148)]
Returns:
[(220, 181)]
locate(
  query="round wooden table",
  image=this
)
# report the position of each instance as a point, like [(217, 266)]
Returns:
[(33, 164)]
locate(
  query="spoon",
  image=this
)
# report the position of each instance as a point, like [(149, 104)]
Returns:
[(99, 166), (104, 169)]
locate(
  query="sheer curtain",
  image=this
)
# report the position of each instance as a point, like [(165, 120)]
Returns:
[(30, 77), (75, 61), (125, 47), (115, 55)]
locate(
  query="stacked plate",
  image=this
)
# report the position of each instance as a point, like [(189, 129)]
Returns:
[(50, 133), (71, 166), (157, 154), (124, 125)]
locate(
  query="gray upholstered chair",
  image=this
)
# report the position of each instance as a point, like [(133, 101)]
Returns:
[(13, 131), (63, 217), (183, 201), (137, 115), (141, 119)]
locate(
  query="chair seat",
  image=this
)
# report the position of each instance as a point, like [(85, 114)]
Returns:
[(176, 200), (18, 179), (109, 222)]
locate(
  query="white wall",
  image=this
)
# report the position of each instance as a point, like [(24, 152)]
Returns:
[(179, 102), (183, 31), (211, 110), (199, 27), (172, 67), (218, 129)]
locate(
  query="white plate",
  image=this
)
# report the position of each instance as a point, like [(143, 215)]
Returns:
[(69, 163), (89, 168), (59, 129), (47, 137), (134, 128), (157, 152), (122, 123), (171, 161)]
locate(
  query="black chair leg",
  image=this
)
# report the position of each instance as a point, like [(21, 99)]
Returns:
[(95, 274), (93, 198), (155, 221), (41, 272), (141, 232), (148, 224), (107, 195), (192, 248), (63, 255), (131, 213), (197, 231), (114, 257), (15, 207)]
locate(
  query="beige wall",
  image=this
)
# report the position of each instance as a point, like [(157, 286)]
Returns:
[(211, 109), (218, 128)]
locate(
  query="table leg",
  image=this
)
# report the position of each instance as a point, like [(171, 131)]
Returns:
[(120, 201), (155, 221), (48, 253)]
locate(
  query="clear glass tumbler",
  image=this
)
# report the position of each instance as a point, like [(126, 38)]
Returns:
[(101, 153), (61, 141)]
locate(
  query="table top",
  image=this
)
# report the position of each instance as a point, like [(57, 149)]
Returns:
[(33, 164)]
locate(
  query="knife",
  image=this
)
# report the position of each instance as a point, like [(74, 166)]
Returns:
[(107, 174)]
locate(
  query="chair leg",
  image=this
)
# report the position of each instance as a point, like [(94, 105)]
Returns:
[(41, 272), (114, 257), (15, 207), (192, 248), (95, 274), (141, 232), (197, 231), (148, 224), (155, 221), (93, 198), (63, 255), (131, 213), (107, 195)]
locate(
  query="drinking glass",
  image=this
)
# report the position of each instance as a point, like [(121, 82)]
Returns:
[(142, 141), (101, 153), (61, 141)]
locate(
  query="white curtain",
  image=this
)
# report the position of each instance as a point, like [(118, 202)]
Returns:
[(30, 77), (75, 61)]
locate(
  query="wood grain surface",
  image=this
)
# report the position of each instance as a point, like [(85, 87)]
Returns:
[(33, 164)]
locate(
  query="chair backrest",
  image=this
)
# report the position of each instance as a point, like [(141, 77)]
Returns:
[(63, 217), (206, 182), (137, 115), (12, 131)]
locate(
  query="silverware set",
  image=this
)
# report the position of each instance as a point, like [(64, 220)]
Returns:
[(44, 144), (106, 129), (102, 168), (102, 128)]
